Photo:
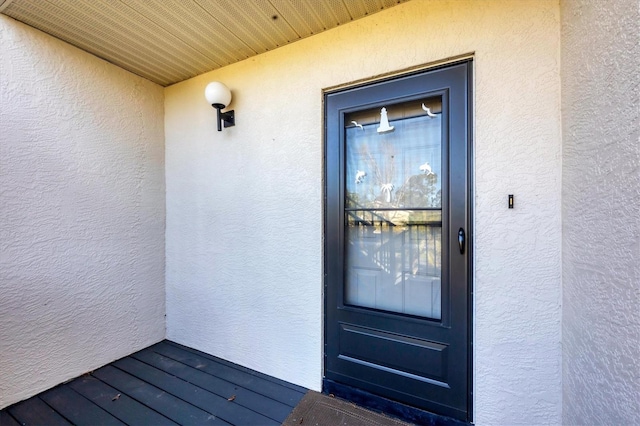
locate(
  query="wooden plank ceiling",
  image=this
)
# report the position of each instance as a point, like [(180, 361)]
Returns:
[(167, 41)]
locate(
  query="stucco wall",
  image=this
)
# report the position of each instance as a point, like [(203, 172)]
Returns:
[(244, 206), (601, 211), (81, 212)]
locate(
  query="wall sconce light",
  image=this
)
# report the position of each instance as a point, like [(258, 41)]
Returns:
[(219, 96)]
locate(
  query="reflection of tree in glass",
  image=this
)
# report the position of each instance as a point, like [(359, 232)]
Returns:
[(419, 191), (390, 182), (353, 199), (382, 170)]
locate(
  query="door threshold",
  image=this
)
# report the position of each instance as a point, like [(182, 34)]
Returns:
[(386, 406)]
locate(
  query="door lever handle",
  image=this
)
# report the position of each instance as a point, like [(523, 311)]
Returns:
[(461, 240)]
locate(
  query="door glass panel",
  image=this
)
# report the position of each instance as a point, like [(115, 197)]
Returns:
[(393, 208)]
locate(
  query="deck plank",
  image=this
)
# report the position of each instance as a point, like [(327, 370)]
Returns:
[(6, 419), (34, 411), (268, 388), (123, 407), (219, 406), (275, 380), (159, 400), (76, 408), (244, 397)]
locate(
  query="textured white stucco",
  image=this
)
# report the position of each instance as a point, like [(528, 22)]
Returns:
[(244, 206), (601, 211), (81, 212)]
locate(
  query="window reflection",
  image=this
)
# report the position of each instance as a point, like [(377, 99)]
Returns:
[(400, 169), (393, 214)]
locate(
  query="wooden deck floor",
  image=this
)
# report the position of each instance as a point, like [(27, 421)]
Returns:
[(165, 384)]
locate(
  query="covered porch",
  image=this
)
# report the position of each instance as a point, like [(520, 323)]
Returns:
[(127, 218)]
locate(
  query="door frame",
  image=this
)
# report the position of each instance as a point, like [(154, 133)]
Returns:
[(360, 396)]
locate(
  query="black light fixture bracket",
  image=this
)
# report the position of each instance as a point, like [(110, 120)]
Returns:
[(228, 118)]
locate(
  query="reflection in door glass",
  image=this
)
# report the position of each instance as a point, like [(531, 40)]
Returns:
[(393, 202)]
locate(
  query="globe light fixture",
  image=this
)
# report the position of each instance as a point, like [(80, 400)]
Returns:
[(219, 96)]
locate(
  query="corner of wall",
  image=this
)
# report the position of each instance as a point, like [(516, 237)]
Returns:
[(600, 59), (83, 212)]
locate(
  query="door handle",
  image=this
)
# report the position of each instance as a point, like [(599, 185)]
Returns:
[(461, 240)]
